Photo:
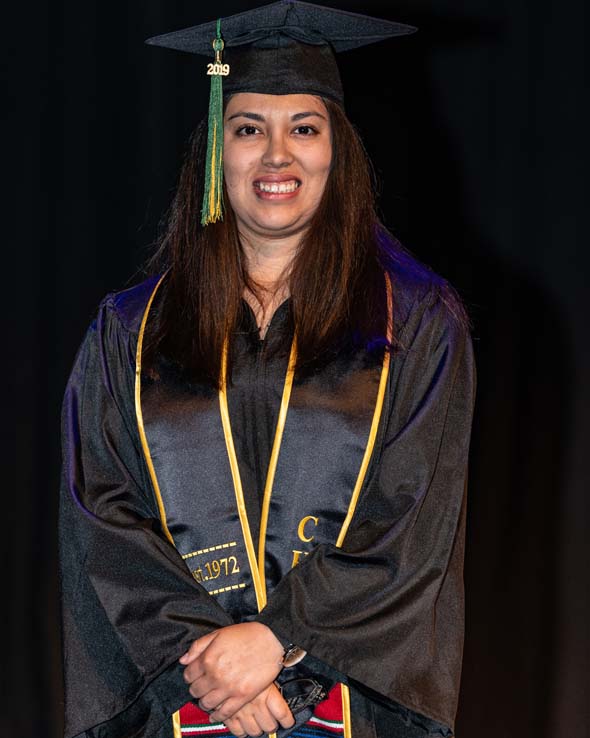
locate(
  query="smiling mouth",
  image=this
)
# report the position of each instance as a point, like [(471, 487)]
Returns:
[(278, 188)]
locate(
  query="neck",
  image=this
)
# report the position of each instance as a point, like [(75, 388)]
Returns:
[(267, 263), (268, 259)]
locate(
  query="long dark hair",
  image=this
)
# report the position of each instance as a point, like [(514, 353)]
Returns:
[(336, 280)]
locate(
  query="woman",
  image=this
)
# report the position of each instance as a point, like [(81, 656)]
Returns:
[(266, 442)]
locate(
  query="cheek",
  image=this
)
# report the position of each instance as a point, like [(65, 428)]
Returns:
[(321, 170), (231, 170), (236, 166), (323, 161)]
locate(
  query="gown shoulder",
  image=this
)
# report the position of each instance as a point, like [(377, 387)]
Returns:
[(417, 290), (128, 305)]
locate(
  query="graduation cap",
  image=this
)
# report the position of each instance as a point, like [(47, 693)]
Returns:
[(287, 47)]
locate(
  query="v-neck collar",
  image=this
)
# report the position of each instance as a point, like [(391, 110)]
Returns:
[(278, 318)]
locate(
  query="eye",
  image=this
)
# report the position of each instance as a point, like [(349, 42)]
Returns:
[(247, 130), (305, 130)]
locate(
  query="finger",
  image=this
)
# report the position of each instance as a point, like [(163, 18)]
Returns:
[(250, 723), (235, 727), (263, 717), (193, 671), (199, 688), (228, 709), (197, 647), (279, 709), (212, 700)]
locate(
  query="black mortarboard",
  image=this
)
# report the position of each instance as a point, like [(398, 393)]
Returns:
[(283, 48)]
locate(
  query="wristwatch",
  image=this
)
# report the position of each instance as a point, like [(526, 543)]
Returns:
[(292, 655)]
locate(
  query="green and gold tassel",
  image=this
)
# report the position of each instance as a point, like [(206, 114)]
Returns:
[(212, 209)]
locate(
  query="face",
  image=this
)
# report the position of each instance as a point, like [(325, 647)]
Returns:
[(277, 156)]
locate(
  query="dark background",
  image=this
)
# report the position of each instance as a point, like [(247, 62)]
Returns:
[(476, 126)]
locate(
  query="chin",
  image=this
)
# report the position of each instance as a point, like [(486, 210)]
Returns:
[(279, 226), (277, 222)]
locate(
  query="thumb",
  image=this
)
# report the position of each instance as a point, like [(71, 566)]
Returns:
[(197, 648), (278, 708)]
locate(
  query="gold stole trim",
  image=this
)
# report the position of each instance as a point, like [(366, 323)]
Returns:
[(345, 711), (177, 732), (258, 576), (139, 416), (374, 425), (176, 729), (272, 466), (257, 568)]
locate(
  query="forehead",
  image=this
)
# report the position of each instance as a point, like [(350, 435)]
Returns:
[(254, 102)]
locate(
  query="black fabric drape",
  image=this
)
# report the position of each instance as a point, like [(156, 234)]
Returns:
[(130, 606), (385, 611), (478, 131)]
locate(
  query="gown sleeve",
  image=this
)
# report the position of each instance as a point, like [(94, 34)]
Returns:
[(130, 608), (387, 608)]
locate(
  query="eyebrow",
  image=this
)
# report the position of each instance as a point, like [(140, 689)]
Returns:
[(261, 119)]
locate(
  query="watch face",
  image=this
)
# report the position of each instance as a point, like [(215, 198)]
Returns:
[(293, 655)]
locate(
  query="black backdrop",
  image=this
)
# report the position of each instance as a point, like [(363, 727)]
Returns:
[(476, 127)]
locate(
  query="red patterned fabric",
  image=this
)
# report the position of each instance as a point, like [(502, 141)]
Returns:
[(327, 719)]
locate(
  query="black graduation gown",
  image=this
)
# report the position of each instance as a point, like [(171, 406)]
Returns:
[(383, 613)]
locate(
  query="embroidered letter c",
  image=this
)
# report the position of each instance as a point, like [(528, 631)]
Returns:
[(301, 528)]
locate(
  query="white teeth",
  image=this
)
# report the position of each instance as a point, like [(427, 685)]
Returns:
[(278, 187)]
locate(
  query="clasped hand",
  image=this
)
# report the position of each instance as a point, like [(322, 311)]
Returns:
[(231, 673)]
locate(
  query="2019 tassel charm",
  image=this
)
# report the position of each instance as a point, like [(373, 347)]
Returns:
[(212, 209)]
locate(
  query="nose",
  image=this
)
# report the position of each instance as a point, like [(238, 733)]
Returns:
[(277, 154)]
